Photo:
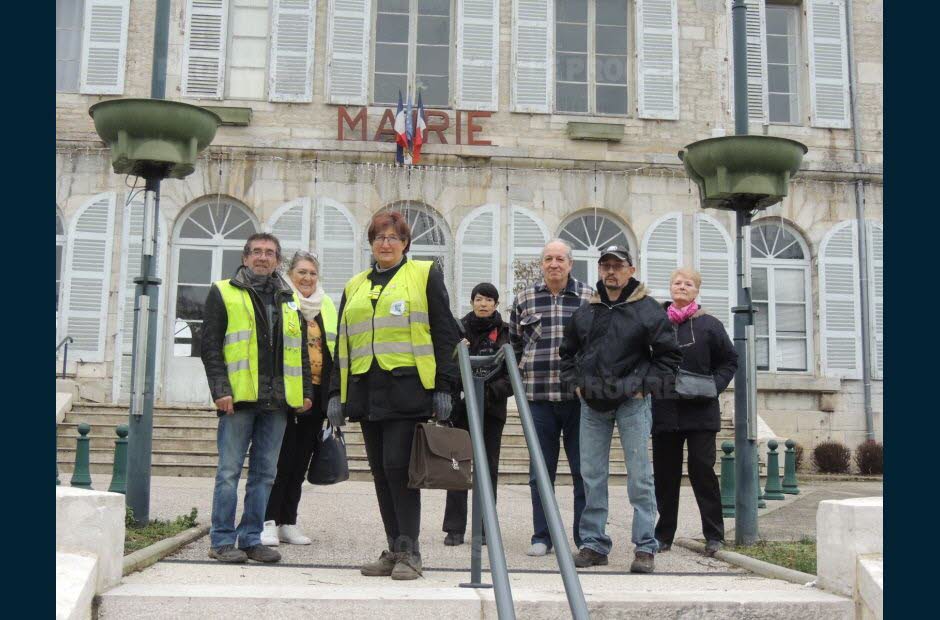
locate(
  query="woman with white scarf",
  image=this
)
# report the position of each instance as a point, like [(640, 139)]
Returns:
[(300, 435)]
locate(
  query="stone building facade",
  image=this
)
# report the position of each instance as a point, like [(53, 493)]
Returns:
[(564, 119)]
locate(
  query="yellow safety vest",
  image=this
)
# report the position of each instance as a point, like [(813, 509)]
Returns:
[(395, 333), (328, 312), (240, 347)]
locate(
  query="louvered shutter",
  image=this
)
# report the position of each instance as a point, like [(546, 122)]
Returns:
[(757, 105), (657, 59), (293, 28), (131, 244), (478, 54), (876, 277), (335, 236), (528, 236), (348, 45), (204, 48), (478, 250), (828, 63), (533, 31), (88, 266), (291, 225), (660, 254), (714, 259), (104, 47), (840, 320)]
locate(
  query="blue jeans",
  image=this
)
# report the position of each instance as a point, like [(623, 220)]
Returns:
[(555, 419), (634, 419), (264, 431)]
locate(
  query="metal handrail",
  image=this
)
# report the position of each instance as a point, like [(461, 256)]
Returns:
[(569, 574), (65, 354), (483, 492)]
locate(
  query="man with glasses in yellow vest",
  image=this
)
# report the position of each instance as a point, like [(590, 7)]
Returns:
[(254, 341)]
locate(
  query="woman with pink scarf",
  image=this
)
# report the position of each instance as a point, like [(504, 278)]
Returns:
[(678, 421)]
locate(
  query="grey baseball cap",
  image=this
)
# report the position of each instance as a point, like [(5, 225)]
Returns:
[(617, 251)]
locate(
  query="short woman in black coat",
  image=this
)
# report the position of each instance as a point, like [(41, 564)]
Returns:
[(706, 349)]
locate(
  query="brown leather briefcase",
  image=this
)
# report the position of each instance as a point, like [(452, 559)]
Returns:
[(441, 457)]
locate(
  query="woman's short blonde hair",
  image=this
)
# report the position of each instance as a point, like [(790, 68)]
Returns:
[(688, 272)]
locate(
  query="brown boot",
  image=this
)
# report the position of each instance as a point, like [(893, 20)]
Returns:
[(382, 567), (408, 567), (642, 562)]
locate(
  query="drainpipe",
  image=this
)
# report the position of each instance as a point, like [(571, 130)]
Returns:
[(865, 285)]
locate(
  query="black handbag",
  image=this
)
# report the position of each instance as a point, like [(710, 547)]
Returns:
[(328, 465), (694, 385), (440, 458)]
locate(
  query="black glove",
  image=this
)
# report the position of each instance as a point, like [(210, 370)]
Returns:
[(334, 412), (443, 406)]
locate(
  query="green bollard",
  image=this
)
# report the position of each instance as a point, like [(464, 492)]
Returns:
[(119, 473), (727, 479), (81, 477), (789, 469), (773, 490)]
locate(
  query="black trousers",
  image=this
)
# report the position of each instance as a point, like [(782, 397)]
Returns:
[(667, 469), (388, 449), (455, 510), (292, 462)]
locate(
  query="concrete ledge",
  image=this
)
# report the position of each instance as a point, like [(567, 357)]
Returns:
[(870, 588), (92, 522), (759, 567), (75, 577), (846, 529), (142, 558), (63, 404)]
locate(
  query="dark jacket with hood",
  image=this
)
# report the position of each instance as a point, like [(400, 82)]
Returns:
[(706, 350), (614, 349), (267, 306), (398, 393), (487, 336)]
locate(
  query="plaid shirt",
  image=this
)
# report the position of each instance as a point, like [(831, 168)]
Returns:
[(536, 328)]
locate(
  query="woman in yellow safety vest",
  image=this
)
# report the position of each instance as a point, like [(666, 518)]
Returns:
[(395, 368), (280, 525)]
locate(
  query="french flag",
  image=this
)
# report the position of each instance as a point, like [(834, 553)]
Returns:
[(401, 137), (420, 128)]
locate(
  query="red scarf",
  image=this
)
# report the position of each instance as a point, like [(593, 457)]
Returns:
[(680, 315)]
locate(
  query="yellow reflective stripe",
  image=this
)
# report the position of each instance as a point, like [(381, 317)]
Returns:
[(424, 349), (293, 371), (420, 317), (365, 351), (291, 341), (381, 348), (234, 337), (236, 366), (391, 321), (362, 327)]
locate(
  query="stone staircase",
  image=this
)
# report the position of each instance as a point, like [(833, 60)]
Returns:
[(184, 444)]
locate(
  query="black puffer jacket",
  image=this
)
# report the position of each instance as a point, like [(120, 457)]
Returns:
[(706, 350), (270, 340), (487, 337), (613, 350)]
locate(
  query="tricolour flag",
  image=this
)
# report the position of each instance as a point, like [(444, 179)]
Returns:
[(420, 127), (400, 136)]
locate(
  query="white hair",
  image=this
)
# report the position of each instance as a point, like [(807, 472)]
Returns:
[(561, 241)]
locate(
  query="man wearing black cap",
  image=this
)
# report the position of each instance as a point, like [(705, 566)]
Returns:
[(616, 351)]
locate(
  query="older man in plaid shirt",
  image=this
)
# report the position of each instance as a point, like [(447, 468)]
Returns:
[(536, 328)]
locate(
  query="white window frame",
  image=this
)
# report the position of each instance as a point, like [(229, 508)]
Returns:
[(591, 63), (468, 252), (798, 64), (772, 265), (411, 78), (592, 255), (229, 65)]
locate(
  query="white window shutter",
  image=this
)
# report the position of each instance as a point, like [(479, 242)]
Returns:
[(657, 44), (104, 47), (660, 254), (204, 48), (876, 278), (291, 225), (348, 44), (839, 317), (714, 259), (828, 63), (527, 235), (88, 269), (757, 105), (478, 54), (293, 28), (533, 28), (335, 245), (478, 252)]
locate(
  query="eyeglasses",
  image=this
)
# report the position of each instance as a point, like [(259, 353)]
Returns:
[(266, 253), (612, 266), (390, 239)]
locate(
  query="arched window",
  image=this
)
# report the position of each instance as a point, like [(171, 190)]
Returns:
[(478, 250), (207, 247), (588, 234), (780, 289)]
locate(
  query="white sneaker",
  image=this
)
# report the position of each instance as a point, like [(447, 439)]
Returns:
[(538, 549), (292, 535), (269, 534)]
